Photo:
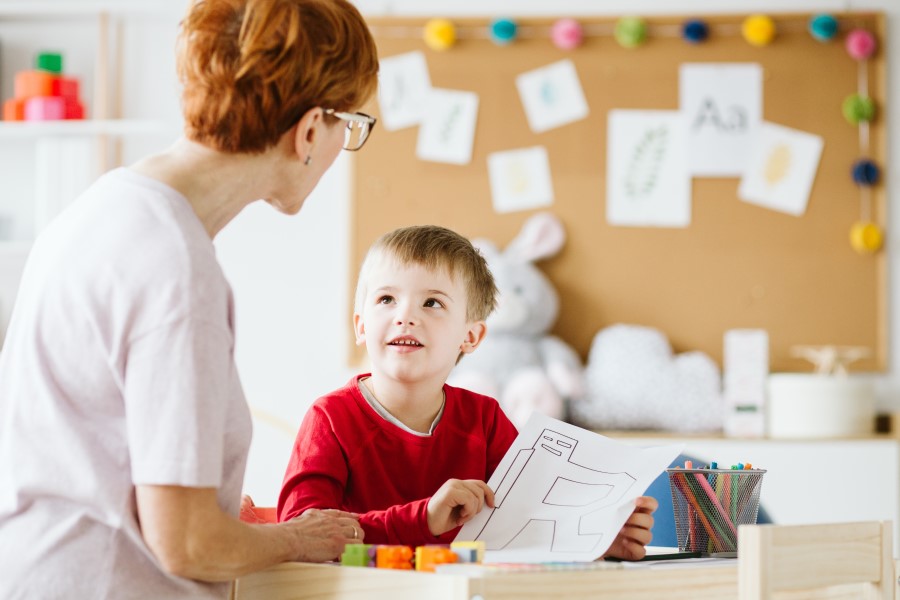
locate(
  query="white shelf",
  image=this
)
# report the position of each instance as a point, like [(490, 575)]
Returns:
[(87, 127), (81, 8)]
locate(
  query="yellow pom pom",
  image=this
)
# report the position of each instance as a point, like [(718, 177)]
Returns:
[(758, 30), (439, 34), (866, 238)]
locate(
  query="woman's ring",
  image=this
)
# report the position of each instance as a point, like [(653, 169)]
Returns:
[(355, 534)]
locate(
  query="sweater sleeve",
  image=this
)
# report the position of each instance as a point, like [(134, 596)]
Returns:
[(405, 524), (317, 470)]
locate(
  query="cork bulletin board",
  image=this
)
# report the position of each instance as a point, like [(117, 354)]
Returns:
[(736, 265)]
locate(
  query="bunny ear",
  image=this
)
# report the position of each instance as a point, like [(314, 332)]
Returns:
[(487, 248), (542, 236)]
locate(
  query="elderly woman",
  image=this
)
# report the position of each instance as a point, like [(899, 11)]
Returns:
[(124, 431)]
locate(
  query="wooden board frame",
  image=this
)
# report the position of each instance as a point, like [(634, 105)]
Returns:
[(736, 266)]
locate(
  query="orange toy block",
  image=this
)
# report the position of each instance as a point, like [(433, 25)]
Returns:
[(14, 110), (31, 84), (393, 557), (429, 556)]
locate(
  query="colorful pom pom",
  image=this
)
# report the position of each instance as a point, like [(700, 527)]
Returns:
[(695, 31), (439, 34), (860, 44), (503, 31), (866, 237), (823, 27), (630, 32), (858, 108), (567, 34), (758, 30), (865, 172)]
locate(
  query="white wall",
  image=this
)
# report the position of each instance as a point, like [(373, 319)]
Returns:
[(290, 275)]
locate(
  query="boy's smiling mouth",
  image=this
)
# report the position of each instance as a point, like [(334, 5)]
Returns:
[(405, 341)]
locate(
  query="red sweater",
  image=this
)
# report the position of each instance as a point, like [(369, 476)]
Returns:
[(347, 456)]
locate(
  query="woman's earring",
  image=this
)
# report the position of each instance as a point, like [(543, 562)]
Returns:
[(308, 160)]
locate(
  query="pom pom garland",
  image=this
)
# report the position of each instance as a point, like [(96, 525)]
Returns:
[(695, 31), (503, 31), (630, 32), (866, 237), (823, 27), (758, 30), (567, 34), (439, 34), (860, 44), (865, 172), (858, 108)]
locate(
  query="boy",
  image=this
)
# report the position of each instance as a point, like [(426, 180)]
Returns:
[(399, 446)]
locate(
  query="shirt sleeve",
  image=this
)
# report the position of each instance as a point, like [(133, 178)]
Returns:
[(405, 524)]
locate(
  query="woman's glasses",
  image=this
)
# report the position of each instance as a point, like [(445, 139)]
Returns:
[(359, 126)]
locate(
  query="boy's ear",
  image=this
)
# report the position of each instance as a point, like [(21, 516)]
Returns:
[(474, 335), (359, 329)]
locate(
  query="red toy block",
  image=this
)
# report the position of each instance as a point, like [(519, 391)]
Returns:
[(67, 87), (429, 556), (393, 557), (74, 109), (14, 110), (258, 514), (30, 84), (46, 108)]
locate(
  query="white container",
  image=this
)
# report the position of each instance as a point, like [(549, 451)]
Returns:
[(804, 405)]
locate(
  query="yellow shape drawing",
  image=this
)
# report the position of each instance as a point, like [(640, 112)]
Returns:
[(778, 164), (517, 177)]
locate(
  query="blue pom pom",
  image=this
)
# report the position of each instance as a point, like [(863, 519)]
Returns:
[(865, 172), (823, 27), (503, 31), (695, 31)]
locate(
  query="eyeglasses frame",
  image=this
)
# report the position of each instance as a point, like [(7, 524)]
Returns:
[(355, 117)]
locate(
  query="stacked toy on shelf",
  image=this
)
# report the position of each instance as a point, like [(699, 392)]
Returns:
[(44, 93), (423, 558)]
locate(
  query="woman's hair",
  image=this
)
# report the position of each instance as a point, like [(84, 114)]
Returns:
[(436, 248), (251, 68)]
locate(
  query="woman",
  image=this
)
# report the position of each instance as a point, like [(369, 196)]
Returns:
[(124, 431)]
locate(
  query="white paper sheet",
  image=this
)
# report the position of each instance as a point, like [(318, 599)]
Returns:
[(647, 181), (520, 179), (722, 106), (447, 131), (563, 493), (403, 86), (781, 169), (552, 96)]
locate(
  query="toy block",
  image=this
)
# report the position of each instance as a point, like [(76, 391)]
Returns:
[(49, 61), (477, 546), (29, 84), (358, 555), (14, 110), (47, 108), (393, 557), (429, 556), (67, 87), (466, 555), (74, 109)]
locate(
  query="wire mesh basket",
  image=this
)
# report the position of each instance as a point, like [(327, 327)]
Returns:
[(710, 504)]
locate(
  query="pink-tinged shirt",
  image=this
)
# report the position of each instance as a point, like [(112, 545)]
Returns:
[(347, 456)]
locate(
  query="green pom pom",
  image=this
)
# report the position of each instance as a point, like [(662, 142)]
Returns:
[(858, 108), (631, 32)]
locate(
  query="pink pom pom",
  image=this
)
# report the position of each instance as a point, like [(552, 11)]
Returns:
[(567, 34), (860, 44)]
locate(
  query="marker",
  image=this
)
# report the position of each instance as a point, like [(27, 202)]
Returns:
[(688, 464)]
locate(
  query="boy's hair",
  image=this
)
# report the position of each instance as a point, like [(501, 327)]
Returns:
[(251, 68), (436, 248)]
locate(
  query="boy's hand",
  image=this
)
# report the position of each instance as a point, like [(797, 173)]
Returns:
[(456, 502), (635, 533)]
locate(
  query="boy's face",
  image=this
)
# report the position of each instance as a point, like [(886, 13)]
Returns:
[(413, 322)]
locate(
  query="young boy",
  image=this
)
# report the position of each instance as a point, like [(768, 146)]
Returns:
[(399, 446)]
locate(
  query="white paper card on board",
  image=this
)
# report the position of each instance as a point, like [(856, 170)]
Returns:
[(781, 169), (552, 96), (647, 181), (520, 179), (722, 107), (403, 86), (447, 131), (562, 493)]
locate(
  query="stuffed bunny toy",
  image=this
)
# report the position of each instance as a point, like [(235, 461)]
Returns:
[(519, 363)]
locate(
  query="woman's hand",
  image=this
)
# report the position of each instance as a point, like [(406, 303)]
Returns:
[(456, 502), (322, 534), (635, 533)]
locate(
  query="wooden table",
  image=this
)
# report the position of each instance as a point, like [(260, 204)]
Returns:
[(301, 580)]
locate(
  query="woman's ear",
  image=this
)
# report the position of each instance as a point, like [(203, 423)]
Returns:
[(359, 329), (306, 133), (474, 335)]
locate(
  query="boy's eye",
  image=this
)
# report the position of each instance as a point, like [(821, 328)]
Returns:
[(432, 303), (385, 300)]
